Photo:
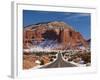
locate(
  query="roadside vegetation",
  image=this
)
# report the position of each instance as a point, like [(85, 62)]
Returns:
[(78, 57), (31, 60)]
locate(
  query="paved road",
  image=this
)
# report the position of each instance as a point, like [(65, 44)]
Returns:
[(59, 63)]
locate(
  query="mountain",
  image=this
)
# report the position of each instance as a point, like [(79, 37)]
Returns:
[(89, 40), (52, 35)]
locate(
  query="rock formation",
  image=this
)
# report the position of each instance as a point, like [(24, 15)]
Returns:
[(64, 34)]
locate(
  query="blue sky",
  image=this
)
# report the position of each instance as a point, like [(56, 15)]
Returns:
[(79, 21)]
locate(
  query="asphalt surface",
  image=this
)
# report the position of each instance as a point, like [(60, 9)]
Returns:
[(59, 63)]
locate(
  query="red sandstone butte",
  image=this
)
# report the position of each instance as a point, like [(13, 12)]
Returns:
[(62, 32)]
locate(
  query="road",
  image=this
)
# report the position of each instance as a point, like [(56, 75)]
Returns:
[(59, 63)]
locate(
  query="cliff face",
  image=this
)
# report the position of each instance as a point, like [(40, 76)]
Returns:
[(53, 33)]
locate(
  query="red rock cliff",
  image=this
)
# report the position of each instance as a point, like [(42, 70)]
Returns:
[(63, 33)]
